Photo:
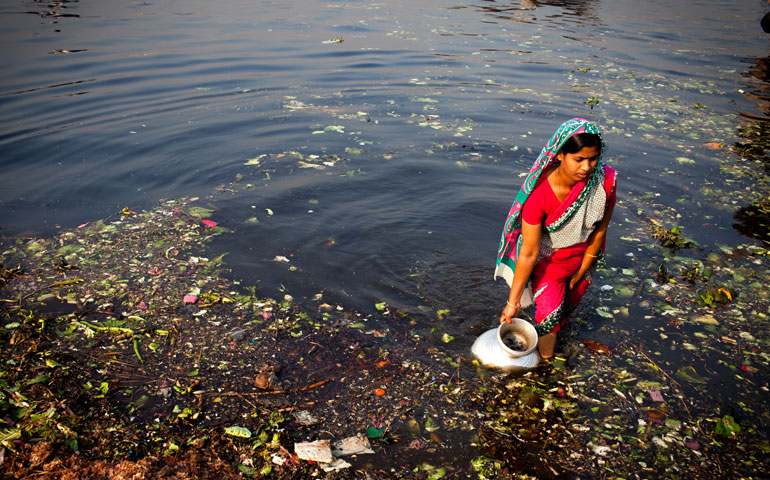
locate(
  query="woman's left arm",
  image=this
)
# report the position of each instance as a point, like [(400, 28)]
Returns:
[(595, 242)]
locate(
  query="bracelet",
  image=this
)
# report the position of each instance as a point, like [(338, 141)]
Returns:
[(593, 256), (518, 305)]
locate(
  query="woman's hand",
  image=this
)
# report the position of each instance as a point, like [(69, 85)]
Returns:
[(509, 313), (575, 279), (530, 250)]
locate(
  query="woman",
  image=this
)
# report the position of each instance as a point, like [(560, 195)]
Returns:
[(555, 231)]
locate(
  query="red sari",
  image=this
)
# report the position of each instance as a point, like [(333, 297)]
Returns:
[(549, 281)]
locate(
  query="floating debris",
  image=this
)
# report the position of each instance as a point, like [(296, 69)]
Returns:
[(317, 451), (356, 445), (597, 347)]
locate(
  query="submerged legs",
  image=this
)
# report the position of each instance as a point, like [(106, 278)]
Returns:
[(546, 344)]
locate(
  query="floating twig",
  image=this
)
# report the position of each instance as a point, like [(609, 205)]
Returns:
[(638, 349), (308, 387), (292, 408), (63, 283)]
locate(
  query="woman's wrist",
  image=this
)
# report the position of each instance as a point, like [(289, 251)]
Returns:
[(513, 305)]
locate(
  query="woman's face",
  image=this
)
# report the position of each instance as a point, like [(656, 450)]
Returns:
[(579, 165)]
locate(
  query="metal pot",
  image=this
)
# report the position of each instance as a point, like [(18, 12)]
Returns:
[(494, 349), (518, 338)]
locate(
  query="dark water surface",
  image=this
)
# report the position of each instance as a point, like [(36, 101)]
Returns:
[(383, 166)]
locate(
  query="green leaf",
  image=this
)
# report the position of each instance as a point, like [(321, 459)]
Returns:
[(255, 161), (200, 212), (247, 470), (8, 436), (624, 291), (40, 379), (236, 431), (172, 447), (726, 426), (689, 374), (71, 443), (136, 350), (65, 282), (604, 312), (372, 432), (431, 425), (434, 473), (113, 323), (486, 468)]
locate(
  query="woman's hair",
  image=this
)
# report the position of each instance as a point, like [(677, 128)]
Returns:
[(575, 143)]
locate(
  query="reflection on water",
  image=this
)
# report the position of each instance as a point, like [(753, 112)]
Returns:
[(524, 10), (753, 220)]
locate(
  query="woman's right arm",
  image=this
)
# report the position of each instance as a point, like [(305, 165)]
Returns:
[(530, 249)]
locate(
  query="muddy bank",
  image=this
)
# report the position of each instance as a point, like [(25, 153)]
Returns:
[(128, 353)]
